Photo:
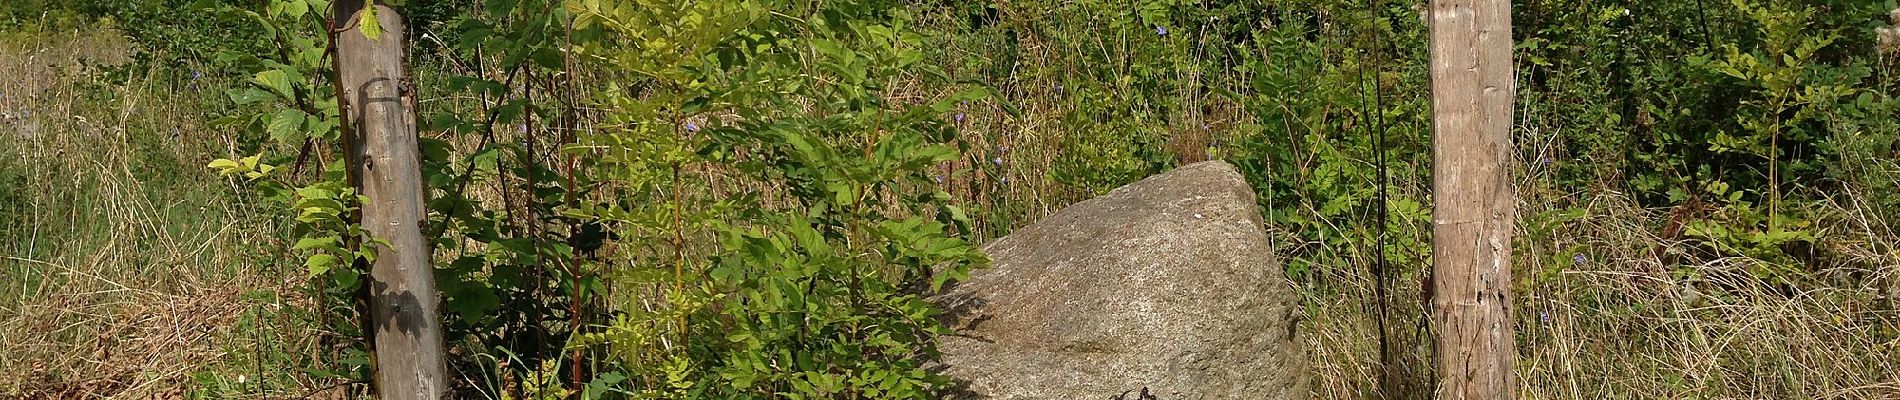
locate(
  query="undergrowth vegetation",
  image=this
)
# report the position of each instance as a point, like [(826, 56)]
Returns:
[(750, 199)]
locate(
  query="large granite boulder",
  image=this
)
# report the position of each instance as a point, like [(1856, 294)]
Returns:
[(1165, 287)]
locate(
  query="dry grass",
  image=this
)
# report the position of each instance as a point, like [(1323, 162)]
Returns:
[(123, 282), (128, 269), (1628, 324)]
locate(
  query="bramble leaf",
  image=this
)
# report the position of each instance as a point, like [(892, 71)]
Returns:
[(277, 81), (321, 263), (372, 27)]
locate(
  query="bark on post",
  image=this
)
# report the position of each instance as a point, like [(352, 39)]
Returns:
[(1473, 206), (405, 322)]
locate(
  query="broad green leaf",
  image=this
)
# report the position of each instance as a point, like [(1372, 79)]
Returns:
[(549, 58), (317, 215), (316, 243), (470, 300), (248, 96), (286, 126), (277, 81), (297, 8), (226, 166), (372, 28), (262, 171), (321, 263)]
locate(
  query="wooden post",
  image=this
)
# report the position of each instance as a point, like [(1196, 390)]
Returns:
[(1473, 205), (405, 321)]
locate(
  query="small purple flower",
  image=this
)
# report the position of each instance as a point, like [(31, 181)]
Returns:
[(1579, 258), (1005, 181), (938, 178), (1161, 30), (692, 127), (523, 128), (195, 75), (998, 161), (959, 118), (1544, 316)]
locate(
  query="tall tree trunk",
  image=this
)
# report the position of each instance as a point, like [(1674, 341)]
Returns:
[(381, 144), (1473, 205)]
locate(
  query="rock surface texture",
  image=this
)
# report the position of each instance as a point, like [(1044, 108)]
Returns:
[(1166, 286)]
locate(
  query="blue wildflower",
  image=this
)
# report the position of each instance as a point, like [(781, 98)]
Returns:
[(195, 75), (998, 161), (938, 178), (523, 128), (959, 118), (692, 127), (1544, 316), (1161, 30), (1579, 258)]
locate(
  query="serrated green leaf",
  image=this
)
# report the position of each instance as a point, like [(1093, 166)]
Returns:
[(469, 300), (321, 263), (549, 58), (262, 171), (315, 215), (296, 8), (372, 28), (276, 80), (226, 166), (248, 96), (286, 126), (316, 192), (316, 243)]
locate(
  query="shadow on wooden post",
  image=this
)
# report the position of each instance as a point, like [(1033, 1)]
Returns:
[(405, 321)]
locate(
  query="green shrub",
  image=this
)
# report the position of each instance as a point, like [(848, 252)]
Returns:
[(743, 199), (814, 292)]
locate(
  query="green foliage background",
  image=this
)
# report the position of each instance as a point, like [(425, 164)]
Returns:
[(748, 199)]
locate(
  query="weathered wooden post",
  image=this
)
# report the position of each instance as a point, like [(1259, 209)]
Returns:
[(1473, 205), (381, 146)]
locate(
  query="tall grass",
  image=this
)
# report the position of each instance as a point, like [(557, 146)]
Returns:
[(129, 270), (1610, 304)]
